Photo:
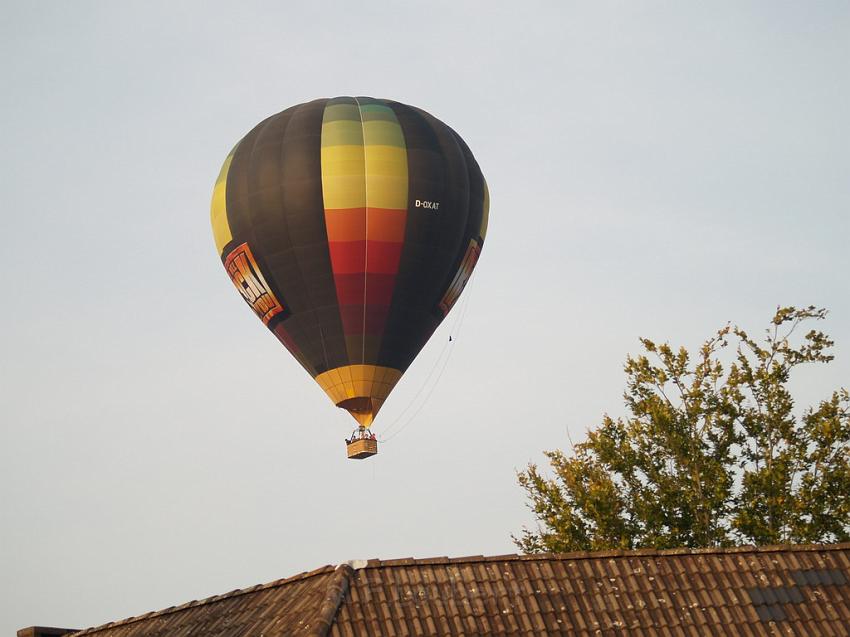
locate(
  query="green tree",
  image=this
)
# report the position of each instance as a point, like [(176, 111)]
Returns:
[(712, 453)]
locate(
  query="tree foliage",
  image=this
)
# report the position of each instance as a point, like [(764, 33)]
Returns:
[(713, 453)]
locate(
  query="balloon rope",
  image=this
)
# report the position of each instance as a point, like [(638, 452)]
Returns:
[(366, 230), (433, 367), (422, 387), (456, 328)]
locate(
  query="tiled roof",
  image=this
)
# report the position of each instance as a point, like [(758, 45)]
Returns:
[(783, 590)]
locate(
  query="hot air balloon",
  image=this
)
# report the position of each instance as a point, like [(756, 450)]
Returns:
[(350, 226)]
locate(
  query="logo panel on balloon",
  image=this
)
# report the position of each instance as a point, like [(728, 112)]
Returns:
[(461, 278), (249, 281)]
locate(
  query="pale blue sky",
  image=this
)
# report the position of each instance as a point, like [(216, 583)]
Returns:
[(656, 169)]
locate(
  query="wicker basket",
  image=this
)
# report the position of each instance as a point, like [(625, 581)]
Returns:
[(363, 448)]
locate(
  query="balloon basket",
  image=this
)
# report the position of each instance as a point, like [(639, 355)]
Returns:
[(360, 449)]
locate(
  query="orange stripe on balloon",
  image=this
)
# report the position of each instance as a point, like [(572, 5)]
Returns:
[(387, 224), (346, 224), (349, 224)]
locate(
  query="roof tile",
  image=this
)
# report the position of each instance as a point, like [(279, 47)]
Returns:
[(784, 590)]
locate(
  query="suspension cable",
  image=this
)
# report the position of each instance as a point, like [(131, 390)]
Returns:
[(454, 333)]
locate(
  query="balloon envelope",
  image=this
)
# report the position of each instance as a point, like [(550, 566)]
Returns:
[(350, 226)]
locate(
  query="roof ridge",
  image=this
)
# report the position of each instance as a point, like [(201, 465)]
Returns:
[(206, 600), (581, 555), (335, 593), (713, 550)]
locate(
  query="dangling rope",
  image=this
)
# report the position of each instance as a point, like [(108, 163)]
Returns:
[(434, 367), (439, 363), (421, 388), (444, 357)]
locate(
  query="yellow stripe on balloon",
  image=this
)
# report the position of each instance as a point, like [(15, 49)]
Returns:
[(485, 213), (218, 207), (386, 175)]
